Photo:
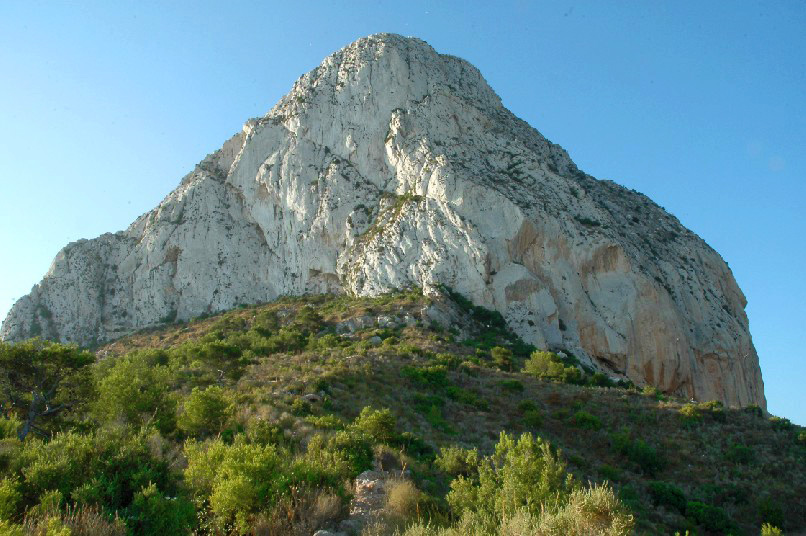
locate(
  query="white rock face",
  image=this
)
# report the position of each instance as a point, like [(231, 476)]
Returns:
[(391, 165)]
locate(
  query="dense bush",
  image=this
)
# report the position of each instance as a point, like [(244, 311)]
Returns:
[(740, 454), (136, 389), (519, 474), (237, 480), (711, 518), (378, 425), (664, 493), (457, 461), (152, 512), (10, 498), (205, 411), (643, 455), (502, 357), (583, 419), (9, 427), (512, 385), (523, 489), (44, 385), (105, 468), (433, 376), (548, 365)]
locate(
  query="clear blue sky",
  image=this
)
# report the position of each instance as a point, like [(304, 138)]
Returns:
[(104, 106)]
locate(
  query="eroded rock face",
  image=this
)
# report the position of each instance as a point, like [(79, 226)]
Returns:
[(391, 165)]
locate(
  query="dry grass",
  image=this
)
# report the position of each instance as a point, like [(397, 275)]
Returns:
[(303, 514), (80, 521), (402, 499)]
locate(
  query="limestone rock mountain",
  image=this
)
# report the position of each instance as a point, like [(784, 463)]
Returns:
[(389, 166)]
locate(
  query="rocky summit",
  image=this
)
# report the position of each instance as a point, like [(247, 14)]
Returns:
[(391, 166)]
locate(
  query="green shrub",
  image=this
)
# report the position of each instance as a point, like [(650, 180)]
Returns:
[(664, 493), (152, 512), (770, 511), (237, 479), (780, 423), (468, 397), (49, 502), (502, 357), (343, 454), (457, 461), (512, 385), (613, 474), (740, 454), (308, 319), (526, 405), (547, 365), (10, 498), (7, 528), (9, 427), (533, 418), (713, 409), (265, 322), (629, 495), (754, 410), (583, 419), (205, 411), (519, 474), (600, 380), (379, 425), (433, 414), (300, 407), (652, 391), (326, 342), (326, 422), (690, 413), (646, 457), (450, 361), (770, 530), (136, 390), (104, 468), (434, 376), (710, 517), (641, 454)]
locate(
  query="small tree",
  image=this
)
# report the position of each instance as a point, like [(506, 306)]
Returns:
[(205, 411), (135, 389), (40, 380), (502, 357)]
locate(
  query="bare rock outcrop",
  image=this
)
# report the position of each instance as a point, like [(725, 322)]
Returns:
[(389, 166)]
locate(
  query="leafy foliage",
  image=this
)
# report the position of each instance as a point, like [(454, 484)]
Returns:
[(205, 411), (210, 427), (42, 381), (519, 474)]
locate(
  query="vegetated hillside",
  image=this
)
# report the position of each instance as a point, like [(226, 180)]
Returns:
[(256, 420)]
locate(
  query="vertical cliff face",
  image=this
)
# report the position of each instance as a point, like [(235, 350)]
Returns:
[(391, 165)]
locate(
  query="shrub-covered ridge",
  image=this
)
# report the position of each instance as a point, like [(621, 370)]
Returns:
[(257, 420)]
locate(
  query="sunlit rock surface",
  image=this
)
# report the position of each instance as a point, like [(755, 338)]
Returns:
[(390, 166)]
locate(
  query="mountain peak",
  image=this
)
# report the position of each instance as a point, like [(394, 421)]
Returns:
[(391, 166)]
